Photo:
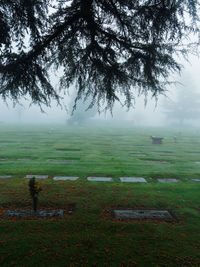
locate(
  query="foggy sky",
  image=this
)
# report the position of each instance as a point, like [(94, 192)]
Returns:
[(152, 114)]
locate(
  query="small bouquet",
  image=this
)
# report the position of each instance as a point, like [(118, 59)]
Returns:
[(34, 189)]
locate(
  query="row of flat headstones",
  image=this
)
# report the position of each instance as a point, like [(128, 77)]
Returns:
[(130, 214), (100, 179), (50, 160)]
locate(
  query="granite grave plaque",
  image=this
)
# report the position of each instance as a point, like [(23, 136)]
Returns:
[(29, 176), (65, 178), (61, 160), (133, 179), (134, 214), (168, 180), (31, 213), (195, 180), (99, 179), (5, 176)]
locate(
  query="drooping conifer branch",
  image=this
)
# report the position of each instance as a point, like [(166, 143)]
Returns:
[(107, 48)]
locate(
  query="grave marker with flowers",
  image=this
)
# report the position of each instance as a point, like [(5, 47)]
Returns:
[(34, 189)]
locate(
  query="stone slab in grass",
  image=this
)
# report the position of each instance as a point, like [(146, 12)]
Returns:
[(133, 179), (164, 155), (2, 159), (5, 176), (100, 179), (29, 176), (100, 144), (162, 152), (27, 159), (156, 161), (68, 149), (195, 180), (31, 213), (133, 214), (138, 155), (197, 162), (170, 156), (168, 180), (65, 178), (62, 160), (193, 153)]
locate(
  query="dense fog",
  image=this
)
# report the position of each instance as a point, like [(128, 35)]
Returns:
[(167, 110)]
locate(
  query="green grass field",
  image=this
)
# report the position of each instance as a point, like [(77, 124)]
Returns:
[(89, 236)]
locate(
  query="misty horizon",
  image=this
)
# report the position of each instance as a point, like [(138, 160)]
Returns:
[(151, 114)]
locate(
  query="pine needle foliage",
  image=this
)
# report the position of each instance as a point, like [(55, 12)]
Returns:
[(106, 48)]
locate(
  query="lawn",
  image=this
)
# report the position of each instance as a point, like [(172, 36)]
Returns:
[(90, 236)]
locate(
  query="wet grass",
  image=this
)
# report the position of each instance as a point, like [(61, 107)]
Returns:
[(89, 236), (110, 152)]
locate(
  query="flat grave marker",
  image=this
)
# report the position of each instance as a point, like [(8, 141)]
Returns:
[(168, 180), (25, 159), (156, 161), (133, 214), (195, 180), (31, 213), (133, 179), (29, 176), (193, 153), (197, 162), (138, 155), (68, 149), (99, 179), (5, 176), (164, 155), (170, 156), (65, 178), (162, 152), (62, 160), (28, 148)]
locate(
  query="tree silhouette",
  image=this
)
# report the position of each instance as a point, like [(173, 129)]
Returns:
[(82, 113), (105, 47)]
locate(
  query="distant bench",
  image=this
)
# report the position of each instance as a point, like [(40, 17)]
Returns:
[(156, 140)]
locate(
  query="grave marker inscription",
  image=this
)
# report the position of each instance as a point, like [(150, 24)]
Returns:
[(168, 180), (134, 214), (133, 179), (195, 180), (31, 213), (99, 179), (5, 176), (65, 178)]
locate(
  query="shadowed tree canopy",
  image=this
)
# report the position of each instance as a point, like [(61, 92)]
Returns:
[(106, 48)]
